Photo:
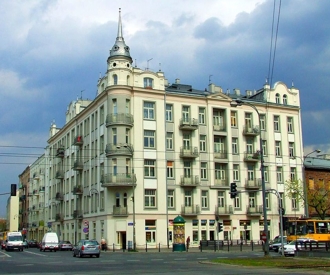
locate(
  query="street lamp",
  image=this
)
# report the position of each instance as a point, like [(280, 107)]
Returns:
[(304, 180), (236, 103), (131, 150)]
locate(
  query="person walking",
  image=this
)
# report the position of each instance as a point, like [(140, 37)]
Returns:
[(103, 244), (188, 242)]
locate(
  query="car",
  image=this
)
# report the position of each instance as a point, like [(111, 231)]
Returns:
[(49, 242), (274, 245), (291, 248), (87, 247), (32, 243), (65, 245)]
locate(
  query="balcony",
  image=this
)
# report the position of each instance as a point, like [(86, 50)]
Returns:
[(254, 210), (252, 184), (36, 176), (119, 150), (220, 183), (59, 217), (192, 181), (120, 211), (224, 211), (42, 189), (189, 152), (59, 175), (251, 130), (118, 180), (77, 214), (188, 124), (219, 127), (78, 165), (220, 154), (36, 192), (60, 152), (77, 190), (252, 157), (119, 119), (193, 210), (59, 196), (78, 141)]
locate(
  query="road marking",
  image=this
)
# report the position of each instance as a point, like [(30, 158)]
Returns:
[(133, 260), (25, 265), (222, 257), (157, 259), (180, 259), (5, 254), (34, 253), (202, 258)]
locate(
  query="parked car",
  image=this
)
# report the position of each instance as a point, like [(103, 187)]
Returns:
[(274, 245), (290, 248), (65, 245), (86, 247), (32, 243)]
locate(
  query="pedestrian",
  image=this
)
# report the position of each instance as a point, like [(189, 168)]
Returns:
[(188, 242), (103, 244)]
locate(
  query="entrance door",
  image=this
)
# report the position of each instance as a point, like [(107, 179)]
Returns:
[(123, 240)]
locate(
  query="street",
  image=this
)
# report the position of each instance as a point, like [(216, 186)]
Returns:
[(32, 261)]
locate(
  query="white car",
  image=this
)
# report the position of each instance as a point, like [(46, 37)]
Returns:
[(290, 248)]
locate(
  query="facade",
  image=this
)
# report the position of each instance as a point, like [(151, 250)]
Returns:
[(13, 213), (144, 151)]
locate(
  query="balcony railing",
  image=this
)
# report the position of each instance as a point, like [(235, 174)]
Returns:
[(77, 214), (59, 196), (188, 124), (121, 119), (59, 174), (220, 154), (193, 210), (221, 183), (78, 140), (224, 210), (42, 189), (78, 165), (252, 156), (251, 130), (219, 127), (191, 181), (115, 180), (77, 190), (120, 211), (116, 149), (189, 152), (59, 217), (252, 184), (254, 210), (60, 152)]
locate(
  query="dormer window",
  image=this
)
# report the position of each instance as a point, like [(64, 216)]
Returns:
[(148, 82), (277, 98), (285, 99)]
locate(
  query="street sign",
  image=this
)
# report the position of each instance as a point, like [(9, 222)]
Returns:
[(86, 230), (130, 224), (263, 237)]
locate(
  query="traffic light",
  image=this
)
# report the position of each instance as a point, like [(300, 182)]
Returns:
[(233, 190), (220, 227), (13, 190)]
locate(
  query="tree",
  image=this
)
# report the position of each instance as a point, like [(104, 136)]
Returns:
[(295, 191)]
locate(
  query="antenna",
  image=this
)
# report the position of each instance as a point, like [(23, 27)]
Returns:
[(160, 67), (81, 92), (210, 78), (148, 63), (135, 63)]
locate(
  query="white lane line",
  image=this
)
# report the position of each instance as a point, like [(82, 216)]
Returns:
[(133, 260), (34, 253), (157, 259)]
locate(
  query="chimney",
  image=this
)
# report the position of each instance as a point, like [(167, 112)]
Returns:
[(177, 81)]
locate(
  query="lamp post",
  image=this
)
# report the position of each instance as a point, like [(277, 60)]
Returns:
[(236, 103), (304, 180), (131, 150)]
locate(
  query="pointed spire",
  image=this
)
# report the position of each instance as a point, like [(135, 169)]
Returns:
[(120, 28)]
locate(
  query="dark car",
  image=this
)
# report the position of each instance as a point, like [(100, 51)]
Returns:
[(65, 245), (32, 243), (87, 247)]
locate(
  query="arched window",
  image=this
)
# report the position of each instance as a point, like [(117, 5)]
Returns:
[(148, 82), (277, 98), (285, 99), (115, 79)]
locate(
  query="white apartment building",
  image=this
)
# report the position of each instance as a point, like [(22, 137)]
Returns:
[(145, 151)]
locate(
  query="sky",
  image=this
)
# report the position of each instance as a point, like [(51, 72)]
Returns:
[(52, 52)]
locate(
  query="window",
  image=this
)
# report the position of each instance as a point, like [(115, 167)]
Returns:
[(202, 143), (291, 149), (149, 110), (115, 79), (234, 144), (169, 112), (285, 99), (267, 199), (218, 120), (150, 198), (204, 171), (149, 139), (114, 106), (279, 176), (188, 198), (205, 199), (170, 198), (186, 114), (169, 141), (266, 177), (101, 115), (237, 202), (263, 122), (281, 198), (220, 171), (278, 148), (187, 169), (293, 176), (236, 172), (233, 119), (277, 98), (252, 199), (114, 166), (219, 144), (276, 123), (249, 146), (290, 124), (148, 82), (114, 136), (248, 121), (186, 141), (250, 173), (294, 202), (264, 147), (170, 169), (201, 115), (149, 168), (221, 199)]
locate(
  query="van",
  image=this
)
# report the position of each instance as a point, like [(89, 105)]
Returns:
[(49, 242), (14, 241)]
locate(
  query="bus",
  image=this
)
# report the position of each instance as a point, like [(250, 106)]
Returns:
[(308, 228)]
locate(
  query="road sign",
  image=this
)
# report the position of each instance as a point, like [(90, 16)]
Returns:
[(130, 224), (263, 237), (86, 223), (86, 230)]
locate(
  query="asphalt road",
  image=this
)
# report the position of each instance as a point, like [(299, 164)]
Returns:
[(32, 261)]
